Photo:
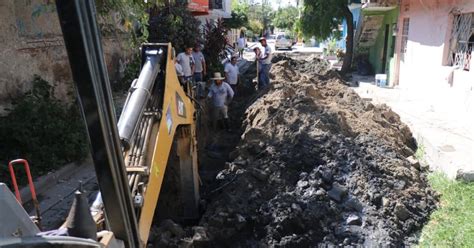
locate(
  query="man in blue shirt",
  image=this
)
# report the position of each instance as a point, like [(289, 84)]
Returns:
[(265, 64), (221, 95)]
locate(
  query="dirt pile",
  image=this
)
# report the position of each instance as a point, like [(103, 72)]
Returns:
[(316, 165), (312, 64)]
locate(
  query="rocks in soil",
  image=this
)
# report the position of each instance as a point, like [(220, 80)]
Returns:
[(354, 219), (401, 211), (337, 192), (258, 174), (322, 168), (414, 162), (200, 237)]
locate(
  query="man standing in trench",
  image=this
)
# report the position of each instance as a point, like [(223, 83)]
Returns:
[(221, 95), (265, 64), (232, 73)]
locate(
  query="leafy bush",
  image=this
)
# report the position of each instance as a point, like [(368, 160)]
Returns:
[(255, 26), (174, 23), (132, 19), (132, 71), (284, 18), (43, 131), (236, 20), (215, 35)]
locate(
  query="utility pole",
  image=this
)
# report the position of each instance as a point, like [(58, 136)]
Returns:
[(263, 18)]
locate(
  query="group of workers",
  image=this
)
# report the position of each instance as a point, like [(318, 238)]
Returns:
[(191, 67)]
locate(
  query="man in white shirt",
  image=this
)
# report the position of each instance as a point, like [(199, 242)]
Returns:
[(185, 59), (265, 64), (200, 64), (232, 73), (241, 44)]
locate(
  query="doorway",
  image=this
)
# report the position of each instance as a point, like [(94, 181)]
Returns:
[(385, 47)]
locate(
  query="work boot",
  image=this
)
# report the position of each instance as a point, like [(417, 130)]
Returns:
[(227, 124)]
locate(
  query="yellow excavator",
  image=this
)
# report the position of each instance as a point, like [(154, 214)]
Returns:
[(156, 133)]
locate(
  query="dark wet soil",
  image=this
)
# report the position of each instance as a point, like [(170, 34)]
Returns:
[(312, 165)]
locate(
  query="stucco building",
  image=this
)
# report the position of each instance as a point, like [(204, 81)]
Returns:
[(31, 43), (425, 48), (434, 44)]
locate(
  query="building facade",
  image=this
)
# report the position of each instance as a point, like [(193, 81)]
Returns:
[(434, 44), (376, 35), (205, 10)]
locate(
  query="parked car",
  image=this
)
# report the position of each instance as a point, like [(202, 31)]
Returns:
[(283, 42), (271, 38)]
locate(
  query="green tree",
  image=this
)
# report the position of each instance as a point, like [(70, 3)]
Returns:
[(173, 22), (133, 17), (256, 13), (215, 42), (321, 17), (255, 26), (285, 18), (240, 6), (237, 20)]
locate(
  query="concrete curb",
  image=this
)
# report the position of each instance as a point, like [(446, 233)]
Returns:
[(47, 181), (440, 161)]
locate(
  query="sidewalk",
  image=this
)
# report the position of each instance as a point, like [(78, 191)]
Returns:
[(441, 121), (55, 192)]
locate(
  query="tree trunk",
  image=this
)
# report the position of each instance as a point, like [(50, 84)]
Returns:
[(346, 64)]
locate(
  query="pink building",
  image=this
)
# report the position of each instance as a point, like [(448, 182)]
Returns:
[(435, 75), (434, 46)]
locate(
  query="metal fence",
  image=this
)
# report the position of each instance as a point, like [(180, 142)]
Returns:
[(460, 46)]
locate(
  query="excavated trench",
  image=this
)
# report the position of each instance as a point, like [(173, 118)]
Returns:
[(309, 163)]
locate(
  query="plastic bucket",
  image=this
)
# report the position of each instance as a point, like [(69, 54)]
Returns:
[(381, 80)]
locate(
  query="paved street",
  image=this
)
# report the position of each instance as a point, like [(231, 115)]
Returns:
[(295, 49)]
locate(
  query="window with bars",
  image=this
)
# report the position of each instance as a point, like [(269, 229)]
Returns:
[(405, 29), (216, 4), (461, 42)]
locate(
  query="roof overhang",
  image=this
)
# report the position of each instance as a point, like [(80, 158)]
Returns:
[(376, 7), (199, 7), (379, 5)]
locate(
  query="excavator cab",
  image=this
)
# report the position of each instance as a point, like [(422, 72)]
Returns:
[(154, 138)]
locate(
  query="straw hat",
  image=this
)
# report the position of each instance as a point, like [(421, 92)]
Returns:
[(217, 76)]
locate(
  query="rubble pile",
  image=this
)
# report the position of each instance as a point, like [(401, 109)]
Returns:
[(312, 64), (317, 165)]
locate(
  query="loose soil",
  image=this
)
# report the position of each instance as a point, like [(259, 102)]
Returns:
[(315, 165)]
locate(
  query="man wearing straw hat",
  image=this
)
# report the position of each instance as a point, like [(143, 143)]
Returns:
[(221, 95)]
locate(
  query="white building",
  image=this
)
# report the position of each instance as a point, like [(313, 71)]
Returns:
[(215, 9)]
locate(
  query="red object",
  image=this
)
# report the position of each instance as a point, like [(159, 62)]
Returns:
[(30, 183), (199, 7), (28, 174)]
